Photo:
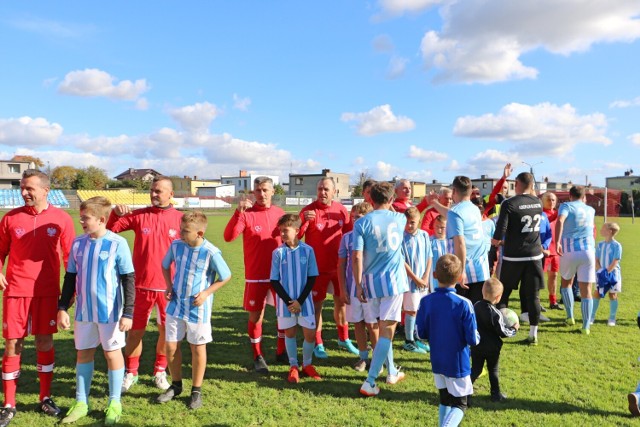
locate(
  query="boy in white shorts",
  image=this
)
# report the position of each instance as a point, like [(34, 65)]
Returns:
[(99, 269), (293, 274), (358, 313), (416, 247), (200, 271), (608, 256)]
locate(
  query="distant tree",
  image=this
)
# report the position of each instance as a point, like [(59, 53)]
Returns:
[(136, 184), (279, 190), (357, 189), (92, 178), (64, 177), (36, 160)]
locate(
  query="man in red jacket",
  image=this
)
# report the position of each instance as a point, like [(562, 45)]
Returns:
[(258, 223), (155, 228), (33, 236)]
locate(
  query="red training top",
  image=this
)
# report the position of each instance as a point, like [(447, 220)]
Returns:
[(260, 237), (34, 243), (324, 232), (155, 228), (552, 215)]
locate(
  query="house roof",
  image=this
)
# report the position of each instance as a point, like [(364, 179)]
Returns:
[(137, 173)]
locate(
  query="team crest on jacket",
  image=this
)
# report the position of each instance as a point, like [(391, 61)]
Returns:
[(303, 260), (20, 232), (258, 228), (172, 233), (319, 226), (52, 231), (341, 223), (200, 263), (146, 230), (104, 255)]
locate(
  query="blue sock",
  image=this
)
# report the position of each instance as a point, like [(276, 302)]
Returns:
[(567, 299), (638, 388), (307, 352), (409, 327), (115, 384), (380, 353), (596, 304), (586, 305), (391, 367), (84, 375), (454, 417), (292, 350), (613, 309), (364, 354), (442, 413)]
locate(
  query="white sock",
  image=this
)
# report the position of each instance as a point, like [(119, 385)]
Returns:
[(533, 331)]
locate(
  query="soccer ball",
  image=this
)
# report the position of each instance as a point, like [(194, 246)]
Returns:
[(510, 317)]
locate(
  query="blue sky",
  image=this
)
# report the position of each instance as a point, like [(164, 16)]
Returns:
[(419, 89)]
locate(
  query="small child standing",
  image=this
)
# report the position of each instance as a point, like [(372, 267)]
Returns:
[(492, 329), (99, 269), (440, 245), (200, 271), (358, 313), (447, 320), (608, 256), (293, 274), (416, 247)]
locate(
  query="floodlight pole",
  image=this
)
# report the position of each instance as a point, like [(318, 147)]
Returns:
[(535, 183)]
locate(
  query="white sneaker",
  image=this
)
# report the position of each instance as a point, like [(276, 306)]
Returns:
[(128, 382), (160, 380), (369, 390), (543, 318), (394, 379), (611, 323), (524, 318)]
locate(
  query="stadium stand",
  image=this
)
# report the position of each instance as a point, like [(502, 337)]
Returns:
[(118, 197), (10, 199)]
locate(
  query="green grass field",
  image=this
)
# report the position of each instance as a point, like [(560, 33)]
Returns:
[(567, 380)]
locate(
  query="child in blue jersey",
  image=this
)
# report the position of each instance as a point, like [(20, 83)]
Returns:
[(380, 278), (358, 313), (99, 269), (608, 256), (200, 271), (293, 274), (440, 245), (417, 252), (448, 321)]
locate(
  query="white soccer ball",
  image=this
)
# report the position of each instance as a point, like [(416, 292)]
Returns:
[(510, 317)]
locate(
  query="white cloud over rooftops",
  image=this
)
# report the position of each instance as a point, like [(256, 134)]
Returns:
[(92, 82), (28, 132), (196, 117), (423, 155), (378, 120)]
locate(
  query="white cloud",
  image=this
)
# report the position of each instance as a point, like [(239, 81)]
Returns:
[(196, 117), (492, 162), (400, 7), (543, 129), (453, 166), (27, 131), (382, 44), (622, 103), (397, 66), (94, 82), (634, 138), (426, 155), (379, 120), (483, 42), (241, 104)]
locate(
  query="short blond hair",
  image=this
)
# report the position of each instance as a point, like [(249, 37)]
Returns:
[(492, 287), (448, 269), (290, 220), (98, 206), (197, 218), (412, 212), (613, 227), (362, 208)]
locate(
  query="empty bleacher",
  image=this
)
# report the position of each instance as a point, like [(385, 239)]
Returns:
[(118, 197), (10, 199)]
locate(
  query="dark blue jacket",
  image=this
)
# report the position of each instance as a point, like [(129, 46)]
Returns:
[(448, 322)]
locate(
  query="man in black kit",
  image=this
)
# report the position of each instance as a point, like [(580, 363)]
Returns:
[(518, 229)]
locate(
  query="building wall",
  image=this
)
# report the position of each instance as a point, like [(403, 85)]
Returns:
[(195, 184), (11, 173), (418, 190), (622, 182), (244, 184), (306, 184)]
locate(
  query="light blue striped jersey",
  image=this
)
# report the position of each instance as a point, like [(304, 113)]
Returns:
[(196, 268), (292, 267), (417, 253), (577, 231), (346, 246), (379, 236), (464, 219), (607, 252), (439, 247), (99, 264)]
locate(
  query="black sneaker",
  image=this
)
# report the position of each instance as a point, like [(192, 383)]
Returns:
[(282, 358), (498, 397), (6, 415), (555, 307), (196, 400), (260, 365), (48, 407), (171, 392)]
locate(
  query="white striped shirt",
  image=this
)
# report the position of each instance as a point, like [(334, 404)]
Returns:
[(292, 267), (417, 253)]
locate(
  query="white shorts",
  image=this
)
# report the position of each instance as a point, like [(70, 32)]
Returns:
[(88, 335), (387, 308), (411, 300), (358, 312), (307, 322), (197, 333), (458, 387), (581, 262)]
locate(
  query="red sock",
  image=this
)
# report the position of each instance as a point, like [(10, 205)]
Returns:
[(255, 336), (402, 318), (133, 364), (552, 299), (280, 347), (319, 338), (45, 361), (10, 375), (161, 364), (343, 332)]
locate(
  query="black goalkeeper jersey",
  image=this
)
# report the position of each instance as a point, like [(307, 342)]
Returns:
[(519, 226)]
